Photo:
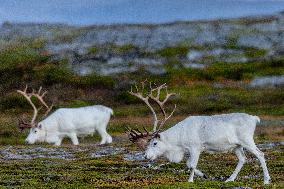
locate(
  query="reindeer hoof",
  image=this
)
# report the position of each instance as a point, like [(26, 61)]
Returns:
[(229, 180), (267, 181), (205, 176)]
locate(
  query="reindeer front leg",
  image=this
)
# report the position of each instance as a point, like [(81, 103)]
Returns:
[(192, 163), (58, 142), (74, 138)]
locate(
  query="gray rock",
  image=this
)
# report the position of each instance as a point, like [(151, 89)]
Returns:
[(257, 40), (269, 145), (217, 54), (195, 66), (116, 70), (135, 156), (12, 153), (115, 60), (194, 55), (107, 151), (268, 81)]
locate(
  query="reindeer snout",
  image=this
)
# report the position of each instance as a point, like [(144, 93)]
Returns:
[(27, 141)]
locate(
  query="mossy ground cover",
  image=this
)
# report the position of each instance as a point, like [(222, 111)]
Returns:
[(82, 170)]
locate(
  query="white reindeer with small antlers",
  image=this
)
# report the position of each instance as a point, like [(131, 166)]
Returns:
[(195, 134), (70, 122)]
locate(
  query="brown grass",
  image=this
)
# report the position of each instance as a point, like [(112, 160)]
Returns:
[(273, 133), (142, 120)]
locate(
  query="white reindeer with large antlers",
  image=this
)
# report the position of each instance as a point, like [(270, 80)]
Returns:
[(195, 134), (70, 122)]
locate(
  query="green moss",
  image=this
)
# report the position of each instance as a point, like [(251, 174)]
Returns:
[(123, 49), (177, 51), (93, 50), (117, 49), (255, 53), (231, 41)]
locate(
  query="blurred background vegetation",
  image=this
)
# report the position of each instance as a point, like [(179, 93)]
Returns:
[(220, 87)]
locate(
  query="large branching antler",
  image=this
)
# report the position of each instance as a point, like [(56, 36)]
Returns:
[(154, 95), (28, 96), (139, 94)]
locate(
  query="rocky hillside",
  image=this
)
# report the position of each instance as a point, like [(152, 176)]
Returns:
[(112, 49)]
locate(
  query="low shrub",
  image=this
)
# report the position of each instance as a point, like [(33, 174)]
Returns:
[(13, 100), (18, 57), (78, 103), (93, 80), (49, 74)]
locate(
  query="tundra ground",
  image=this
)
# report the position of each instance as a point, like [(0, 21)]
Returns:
[(121, 165)]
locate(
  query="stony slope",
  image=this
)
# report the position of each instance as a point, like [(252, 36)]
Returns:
[(111, 49)]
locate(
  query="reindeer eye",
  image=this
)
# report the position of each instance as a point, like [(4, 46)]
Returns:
[(155, 143), (35, 131)]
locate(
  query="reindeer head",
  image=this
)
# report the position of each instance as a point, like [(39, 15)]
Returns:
[(142, 139), (35, 128)]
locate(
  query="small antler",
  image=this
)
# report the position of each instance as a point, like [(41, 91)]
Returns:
[(139, 138), (39, 95), (135, 134), (24, 125)]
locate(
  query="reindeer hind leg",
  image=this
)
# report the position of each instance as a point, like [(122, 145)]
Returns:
[(260, 156), (242, 158)]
